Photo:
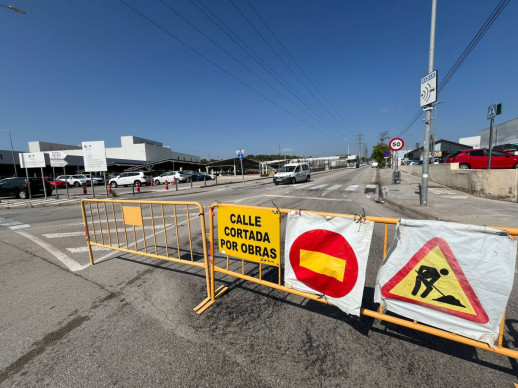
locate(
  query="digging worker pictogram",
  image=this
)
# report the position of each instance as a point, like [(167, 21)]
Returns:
[(427, 276)]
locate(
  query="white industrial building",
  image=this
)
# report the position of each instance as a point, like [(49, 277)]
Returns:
[(132, 149)]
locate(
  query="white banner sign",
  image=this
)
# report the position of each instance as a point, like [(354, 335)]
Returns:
[(32, 159), (328, 256), (94, 156), (452, 276), (57, 155)]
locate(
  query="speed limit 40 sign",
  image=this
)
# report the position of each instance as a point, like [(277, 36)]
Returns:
[(396, 144)]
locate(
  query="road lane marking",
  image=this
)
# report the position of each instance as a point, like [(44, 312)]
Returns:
[(85, 249), (64, 259), (316, 198), (351, 188), (21, 226), (318, 187)]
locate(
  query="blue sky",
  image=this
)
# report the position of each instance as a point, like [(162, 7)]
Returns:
[(96, 70)]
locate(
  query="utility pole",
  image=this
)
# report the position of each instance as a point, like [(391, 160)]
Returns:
[(360, 145), (427, 107)]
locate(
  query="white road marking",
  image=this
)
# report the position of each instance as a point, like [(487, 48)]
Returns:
[(10, 223), (318, 186), (85, 249), (22, 226), (67, 261), (316, 198), (351, 188), (68, 234), (454, 196), (333, 187)]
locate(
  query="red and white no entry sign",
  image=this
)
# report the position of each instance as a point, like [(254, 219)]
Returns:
[(396, 144)]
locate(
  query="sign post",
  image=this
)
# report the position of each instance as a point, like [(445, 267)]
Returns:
[(492, 111), (94, 156), (241, 154), (396, 145), (57, 159), (33, 160)]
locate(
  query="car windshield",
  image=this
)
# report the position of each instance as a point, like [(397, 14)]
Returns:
[(454, 154), (287, 169), (79, 176)]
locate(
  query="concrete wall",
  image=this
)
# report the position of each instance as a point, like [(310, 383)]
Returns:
[(493, 184)]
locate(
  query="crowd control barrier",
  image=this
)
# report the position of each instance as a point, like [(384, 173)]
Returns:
[(148, 228), (267, 271)]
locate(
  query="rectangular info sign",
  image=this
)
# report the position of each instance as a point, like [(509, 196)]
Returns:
[(250, 234)]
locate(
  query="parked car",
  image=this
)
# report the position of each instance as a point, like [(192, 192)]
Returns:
[(18, 187), (478, 159), (130, 178), (293, 172), (208, 176), (190, 175), (170, 176), (98, 179), (374, 165), (197, 176), (74, 180), (58, 183)]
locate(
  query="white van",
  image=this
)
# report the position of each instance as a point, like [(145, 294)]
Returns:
[(293, 172)]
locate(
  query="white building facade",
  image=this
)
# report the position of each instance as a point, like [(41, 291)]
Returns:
[(132, 148)]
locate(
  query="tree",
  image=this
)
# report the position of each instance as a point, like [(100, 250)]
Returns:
[(377, 154), (384, 136)]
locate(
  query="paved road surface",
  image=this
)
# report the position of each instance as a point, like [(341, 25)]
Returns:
[(128, 320)]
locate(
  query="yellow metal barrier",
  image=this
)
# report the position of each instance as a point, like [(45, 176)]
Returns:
[(257, 272), (121, 225)]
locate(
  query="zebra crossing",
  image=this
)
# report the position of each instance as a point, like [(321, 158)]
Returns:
[(325, 188)]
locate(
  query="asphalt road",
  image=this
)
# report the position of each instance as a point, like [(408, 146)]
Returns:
[(129, 320)]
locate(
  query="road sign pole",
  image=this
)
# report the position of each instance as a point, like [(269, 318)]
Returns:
[(92, 184), (55, 182), (44, 185), (66, 181), (490, 142), (426, 146), (242, 172), (28, 181)]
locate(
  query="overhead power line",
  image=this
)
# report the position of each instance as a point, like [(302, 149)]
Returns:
[(151, 21), (274, 51), (173, 10), (340, 119), (242, 45), (476, 39)]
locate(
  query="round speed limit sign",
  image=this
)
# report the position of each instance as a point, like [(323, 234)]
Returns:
[(396, 144)]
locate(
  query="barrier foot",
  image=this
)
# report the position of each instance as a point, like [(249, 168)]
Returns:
[(207, 302)]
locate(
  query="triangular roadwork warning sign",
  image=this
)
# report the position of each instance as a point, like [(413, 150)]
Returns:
[(433, 279)]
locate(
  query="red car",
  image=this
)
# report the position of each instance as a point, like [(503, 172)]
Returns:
[(477, 158), (56, 184)]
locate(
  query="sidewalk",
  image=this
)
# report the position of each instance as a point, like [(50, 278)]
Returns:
[(444, 203)]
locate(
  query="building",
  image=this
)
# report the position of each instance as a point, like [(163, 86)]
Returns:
[(442, 148), (132, 149), (505, 133), (134, 153), (473, 141)]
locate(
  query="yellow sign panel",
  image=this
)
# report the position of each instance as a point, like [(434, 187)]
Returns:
[(132, 215), (323, 264), (250, 234), (434, 282)]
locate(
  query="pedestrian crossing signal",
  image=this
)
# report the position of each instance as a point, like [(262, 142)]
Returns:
[(498, 109)]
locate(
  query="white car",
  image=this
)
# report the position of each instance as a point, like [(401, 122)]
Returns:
[(170, 176), (292, 173), (74, 180), (130, 178)]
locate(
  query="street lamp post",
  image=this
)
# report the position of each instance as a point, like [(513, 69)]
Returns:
[(6, 130), (12, 150)]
